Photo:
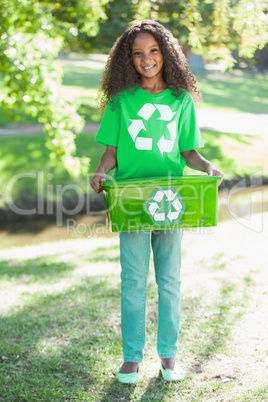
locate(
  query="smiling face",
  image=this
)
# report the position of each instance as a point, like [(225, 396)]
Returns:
[(147, 57)]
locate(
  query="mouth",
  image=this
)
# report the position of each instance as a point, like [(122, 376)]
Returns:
[(149, 67)]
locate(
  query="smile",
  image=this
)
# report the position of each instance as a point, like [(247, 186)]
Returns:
[(149, 68)]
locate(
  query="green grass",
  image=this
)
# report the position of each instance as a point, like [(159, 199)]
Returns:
[(259, 395), (35, 160), (214, 152), (60, 337), (238, 91)]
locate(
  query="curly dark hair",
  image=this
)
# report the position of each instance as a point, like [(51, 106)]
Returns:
[(120, 73)]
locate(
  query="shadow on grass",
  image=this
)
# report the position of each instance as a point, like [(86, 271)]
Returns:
[(105, 254), (58, 345), (83, 77), (90, 113), (47, 268), (157, 389), (41, 268), (118, 392), (66, 344), (211, 324), (231, 90), (214, 152)]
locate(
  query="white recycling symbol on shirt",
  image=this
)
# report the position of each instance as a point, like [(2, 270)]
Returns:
[(165, 206), (145, 143)]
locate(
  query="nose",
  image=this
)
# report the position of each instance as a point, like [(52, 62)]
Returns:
[(146, 57)]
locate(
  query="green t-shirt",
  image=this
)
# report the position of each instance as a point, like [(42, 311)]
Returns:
[(150, 131)]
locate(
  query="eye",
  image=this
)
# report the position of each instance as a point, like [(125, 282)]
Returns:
[(154, 50), (136, 53)]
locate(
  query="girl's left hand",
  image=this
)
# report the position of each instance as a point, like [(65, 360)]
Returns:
[(214, 171)]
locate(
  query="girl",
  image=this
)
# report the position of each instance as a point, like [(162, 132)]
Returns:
[(149, 129)]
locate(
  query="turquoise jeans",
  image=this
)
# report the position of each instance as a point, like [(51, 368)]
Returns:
[(134, 258)]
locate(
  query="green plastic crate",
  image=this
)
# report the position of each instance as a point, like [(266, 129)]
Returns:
[(161, 203)]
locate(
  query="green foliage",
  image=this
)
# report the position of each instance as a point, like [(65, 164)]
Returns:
[(119, 14), (211, 28), (251, 19), (78, 15), (214, 28), (32, 34)]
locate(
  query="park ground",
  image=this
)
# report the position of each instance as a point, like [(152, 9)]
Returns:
[(60, 305)]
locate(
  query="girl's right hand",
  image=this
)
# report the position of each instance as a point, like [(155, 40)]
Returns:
[(96, 181), (107, 163)]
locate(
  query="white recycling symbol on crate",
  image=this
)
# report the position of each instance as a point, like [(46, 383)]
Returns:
[(137, 125), (165, 206)]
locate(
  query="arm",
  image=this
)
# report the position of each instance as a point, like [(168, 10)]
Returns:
[(195, 161), (108, 162)]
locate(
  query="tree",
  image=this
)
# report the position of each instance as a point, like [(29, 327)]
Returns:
[(119, 14), (32, 34), (213, 28)]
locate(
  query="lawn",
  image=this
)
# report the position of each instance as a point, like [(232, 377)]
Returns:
[(61, 340), (239, 91)]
